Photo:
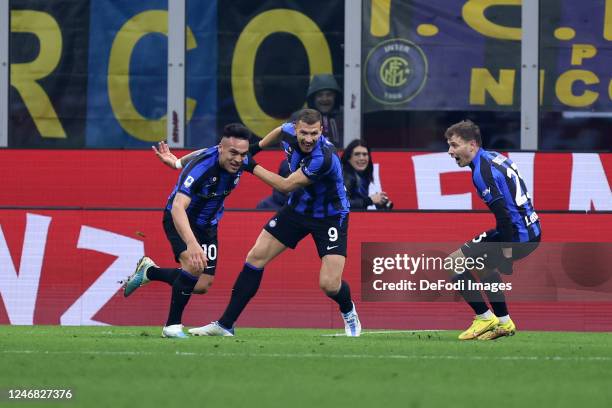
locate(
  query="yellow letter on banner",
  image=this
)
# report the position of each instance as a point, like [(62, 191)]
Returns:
[(474, 15), (380, 18), (243, 62), (607, 32), (563, 88), (581, 52), (501, 91), (148, 130), (24, 76)]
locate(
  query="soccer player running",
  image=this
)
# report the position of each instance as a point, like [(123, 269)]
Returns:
[(190, 220), (317, 206), (516, 235)]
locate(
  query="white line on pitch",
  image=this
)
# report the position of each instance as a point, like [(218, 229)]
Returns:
[(383, 332), (314, 355)]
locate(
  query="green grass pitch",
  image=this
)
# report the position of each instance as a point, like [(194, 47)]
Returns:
[(134, 367)]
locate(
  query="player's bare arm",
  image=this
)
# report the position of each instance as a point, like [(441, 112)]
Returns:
[(271, 138), (162, 151), (194, 252), (296, 180)]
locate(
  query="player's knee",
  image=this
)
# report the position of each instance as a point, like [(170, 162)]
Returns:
[(457, 254), (256, 258), (329, 286), (456, 258), (202, 288)]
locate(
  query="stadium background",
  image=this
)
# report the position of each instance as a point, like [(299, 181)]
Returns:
[(81, 193)]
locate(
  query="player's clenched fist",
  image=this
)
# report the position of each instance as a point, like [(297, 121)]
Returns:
[(197, 257)]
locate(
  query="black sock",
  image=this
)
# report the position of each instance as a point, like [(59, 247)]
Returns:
[(472, 297), (496, 299), (244, 289), (167, 275), (343, 298), (181, 292)]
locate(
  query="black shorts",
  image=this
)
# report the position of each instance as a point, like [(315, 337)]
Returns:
[(207, 237), (489, 246), (329, 233)]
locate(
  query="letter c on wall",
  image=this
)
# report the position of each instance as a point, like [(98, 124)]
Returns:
[(148, 130), (243, 62)]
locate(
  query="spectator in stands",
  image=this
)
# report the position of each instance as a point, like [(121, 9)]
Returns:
[(363, 191), (277, 199), (325, 95)]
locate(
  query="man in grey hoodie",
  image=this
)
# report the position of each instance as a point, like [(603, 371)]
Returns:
[(325, 95)]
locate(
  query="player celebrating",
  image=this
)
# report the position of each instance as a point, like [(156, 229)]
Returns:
[(190, 221), (516, 235), (317, 206)]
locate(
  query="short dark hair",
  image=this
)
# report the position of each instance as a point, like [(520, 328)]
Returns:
[(308, 116), (237, 130), (466, 130), (348, 152)]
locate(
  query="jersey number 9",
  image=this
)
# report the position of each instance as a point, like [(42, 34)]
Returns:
[(333, 234)]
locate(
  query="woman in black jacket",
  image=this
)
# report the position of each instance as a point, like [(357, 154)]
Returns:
[(358, 175)]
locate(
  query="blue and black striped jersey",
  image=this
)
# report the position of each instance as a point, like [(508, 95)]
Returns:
[(326, 196), (496, 177), (207, 184)]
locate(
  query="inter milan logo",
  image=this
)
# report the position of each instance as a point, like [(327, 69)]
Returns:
[(272, 223), (396, 71)]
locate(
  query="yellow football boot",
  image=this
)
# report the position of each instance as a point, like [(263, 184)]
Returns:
[(501, 330), (478, 327)]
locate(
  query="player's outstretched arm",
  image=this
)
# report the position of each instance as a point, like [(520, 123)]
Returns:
[(271, 138), (285, 185), (162, 151)]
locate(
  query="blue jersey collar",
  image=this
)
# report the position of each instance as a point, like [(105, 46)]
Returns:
[(476, 158)]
